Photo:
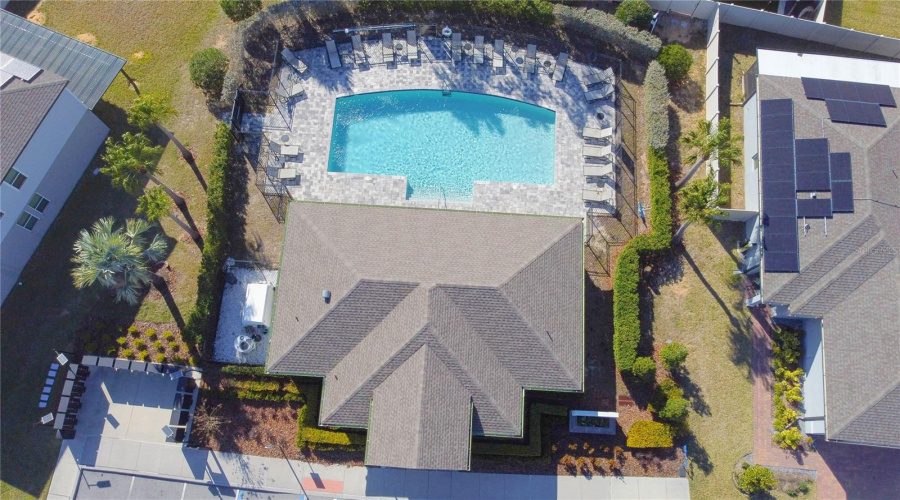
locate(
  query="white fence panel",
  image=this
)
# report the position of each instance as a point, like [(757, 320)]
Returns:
[(826, 33), (858, 40), (705, 10), (885, 46)]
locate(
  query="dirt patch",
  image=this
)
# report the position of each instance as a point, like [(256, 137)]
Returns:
[(138, 55), (87, 38), (37, 18)]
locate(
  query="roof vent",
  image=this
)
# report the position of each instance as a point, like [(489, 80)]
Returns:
[(326, 294)]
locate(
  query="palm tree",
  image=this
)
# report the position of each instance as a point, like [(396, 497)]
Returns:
[(701, 202), (155, 204), (133, 160), (117, 258), (150, 109), (707, 143)]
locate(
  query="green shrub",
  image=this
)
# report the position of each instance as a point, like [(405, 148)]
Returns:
[(644, 368), (128, 353), (608, 30), (244, 370), (220, 196), (534, 11), (676, 60), (757, 479), (143, 356), (90, 348), (139, 344), (160, 358), (309, 435), (788, 438), (637, 13), (656, 110), (649, 434), (802, 488), (534, 446), (174, 346), (670, 389), (133, 331), (168, 335), (121, 340), (151, 334), (673, 355), (158, 345), (208, 69), (675, 409), (238, 10)]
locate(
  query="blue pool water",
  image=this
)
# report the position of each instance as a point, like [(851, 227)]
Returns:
[(443, 144)]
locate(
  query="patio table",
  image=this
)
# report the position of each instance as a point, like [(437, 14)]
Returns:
[(63, 404), (122, 364), (139, 366), (105, 362), (89, 360), (155, 368), (67, 387), (72, 371)]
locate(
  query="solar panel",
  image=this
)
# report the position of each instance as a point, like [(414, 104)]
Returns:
[(781, 262), (776, 107), (884, 96), (860, 113), (830, 89), (839, 90), (781, 242), (776, 189), (812, 88), (807, 147), (836, 110), (774, 173), (779, 207), (872, 114), (777, 156), (777, 123), (867, 92), (813, 182), (848, 91), (842, 196), (20, 69), (855, 113), (840, 167), (777, 138), (814, 208)]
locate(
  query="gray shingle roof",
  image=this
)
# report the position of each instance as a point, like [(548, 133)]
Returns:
[(494, 301), (23, 107), (850, 276), (89, 70)]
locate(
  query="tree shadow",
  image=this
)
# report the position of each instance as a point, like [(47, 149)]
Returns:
[(688, 96), (692, 392), (163, 288), (698, 457), (198, 239)]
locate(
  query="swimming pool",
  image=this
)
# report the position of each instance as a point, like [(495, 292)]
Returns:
[(443, 144)]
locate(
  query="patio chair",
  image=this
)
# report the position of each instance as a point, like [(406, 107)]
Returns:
[(387, 47), (560, 70), (598, 196), (334, 59), (296, 90), (497, 59), (605, 76), (531, 59), (359, 53), (293, 61), (412, 46), (598, 170), (478, 54), (456, 47), (604, 92), (596, 151), (286, 174), (597, 133)]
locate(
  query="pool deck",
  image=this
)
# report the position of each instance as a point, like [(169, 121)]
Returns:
[(313, 114)]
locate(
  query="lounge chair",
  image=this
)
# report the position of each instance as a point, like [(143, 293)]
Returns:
[(596, 151), (297, 89), (456, 47), (334, 59), (291, 150), (604, 92), (497, 60), (359, 52), (605, 76), (291, 60), (286, 174), (597, 133), (412, 46), (478, 55), (387, 47), (598, 170), (598, 195), (560, 70), (531, 59)]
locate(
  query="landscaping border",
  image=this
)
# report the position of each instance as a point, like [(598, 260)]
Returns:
[(534, 448)]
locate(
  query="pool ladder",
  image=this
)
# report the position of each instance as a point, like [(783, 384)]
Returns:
[(445, 89)]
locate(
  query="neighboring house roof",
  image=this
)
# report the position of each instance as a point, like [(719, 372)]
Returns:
[(23, 106), (438, 320), (850, 271), (90, 71)]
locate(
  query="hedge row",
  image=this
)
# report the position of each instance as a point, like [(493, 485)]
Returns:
[(533, 448), (607, 29), (220, 196), (244, 370), (649, 434), (626, 300), (311, 436), (656, 89)]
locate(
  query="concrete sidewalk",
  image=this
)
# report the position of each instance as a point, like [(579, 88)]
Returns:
[(170, 461)]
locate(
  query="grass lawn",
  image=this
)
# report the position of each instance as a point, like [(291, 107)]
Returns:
[(873, 16), (695, 302), (157, 39)]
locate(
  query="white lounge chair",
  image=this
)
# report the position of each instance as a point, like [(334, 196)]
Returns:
[(598, 196), (456, 47), (530, 59), (604, 92), (297, 89), (387, 47), (497, 60), (596, 151), (598, 170), (290, 150), (359, 52), (597, 133), (605, 76), (286, 174), (334, 59), (412, 46), (293, 61), (560, 70), (478, 55)]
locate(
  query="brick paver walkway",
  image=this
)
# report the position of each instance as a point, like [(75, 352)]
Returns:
[(842, 470)]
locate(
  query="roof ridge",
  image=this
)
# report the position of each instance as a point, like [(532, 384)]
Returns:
[(541, 252), (334, 251), (35, 86), (865, 408)]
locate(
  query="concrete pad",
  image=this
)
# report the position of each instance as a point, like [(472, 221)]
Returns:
[(678, 488), (355, 479), (652, 487), (465, 486), (104, 452), (146, 487), (71, 450), (283, 475), (597, 488), (198, 491), (440, 484), (541, 487), (65, 477), (568, 488), (625, 488), (415, 484), (90, 451), (171, 461), (148, 459), (194, 464), (124, 454)]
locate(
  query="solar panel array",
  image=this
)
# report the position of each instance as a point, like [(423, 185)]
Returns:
[(841, 183), (779, 198), (851, 102), (812, 163)]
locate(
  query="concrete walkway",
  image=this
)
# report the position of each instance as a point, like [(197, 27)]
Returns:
[(194, 466)]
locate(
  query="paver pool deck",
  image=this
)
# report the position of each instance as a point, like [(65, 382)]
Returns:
[(313, 114)]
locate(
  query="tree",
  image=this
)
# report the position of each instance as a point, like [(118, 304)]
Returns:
[(117, 258), (675, 409), (238, 10), (156, 204), (637, 13), (207, 70), (757, 479), (673, 355), (708, 142), (133, 160), (701, 202), (150, 109), (676, 60), (643, 368)]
